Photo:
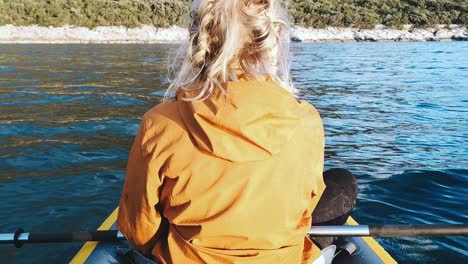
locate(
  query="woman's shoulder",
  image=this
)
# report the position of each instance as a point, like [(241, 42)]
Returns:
[(309, 109), (162, 117), (311, 116)]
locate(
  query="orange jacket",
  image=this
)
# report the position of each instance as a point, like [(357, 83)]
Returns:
[(231, 179)]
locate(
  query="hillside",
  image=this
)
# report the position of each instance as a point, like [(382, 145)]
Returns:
[(165, 13)]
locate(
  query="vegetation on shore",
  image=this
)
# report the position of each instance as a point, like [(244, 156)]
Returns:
[(165, 13), (368, 13)]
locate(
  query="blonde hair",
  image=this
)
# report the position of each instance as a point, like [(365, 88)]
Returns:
[(228, 36)]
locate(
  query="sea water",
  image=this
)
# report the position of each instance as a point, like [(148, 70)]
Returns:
[(395, 114)]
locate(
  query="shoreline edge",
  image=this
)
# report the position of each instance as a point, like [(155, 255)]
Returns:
[(149, 34)]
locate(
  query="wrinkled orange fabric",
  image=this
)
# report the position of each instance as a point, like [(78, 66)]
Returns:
[(231, 179)]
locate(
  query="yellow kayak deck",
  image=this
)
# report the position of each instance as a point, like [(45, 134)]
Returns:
[(369, 250)]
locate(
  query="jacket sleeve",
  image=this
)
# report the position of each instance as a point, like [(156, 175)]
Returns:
[(138, 218), (317, 148), (317, 185), (310, 251)]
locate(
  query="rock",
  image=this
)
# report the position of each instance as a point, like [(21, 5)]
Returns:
[(5, 32), (315, 35), (422, 34), (443, 34), (460, 34)]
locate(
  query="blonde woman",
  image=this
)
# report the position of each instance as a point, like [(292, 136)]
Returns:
[(229, 168)]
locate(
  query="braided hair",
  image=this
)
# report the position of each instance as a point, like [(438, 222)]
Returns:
[(231, 35)]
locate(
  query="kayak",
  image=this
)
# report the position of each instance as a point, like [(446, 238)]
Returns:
[(366, 249)]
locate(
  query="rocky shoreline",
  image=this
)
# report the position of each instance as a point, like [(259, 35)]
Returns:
[(380, 33), (150, 34)]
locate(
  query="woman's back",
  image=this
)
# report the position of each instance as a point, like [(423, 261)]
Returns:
[(236, 176), (229, 169)]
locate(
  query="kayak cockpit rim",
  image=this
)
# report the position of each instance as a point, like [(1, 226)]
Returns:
[(88, 248)]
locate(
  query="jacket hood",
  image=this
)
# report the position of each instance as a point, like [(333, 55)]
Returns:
[(252, 121)]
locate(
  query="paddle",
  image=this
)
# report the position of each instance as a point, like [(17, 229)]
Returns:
[(389, 230), (19, 237)]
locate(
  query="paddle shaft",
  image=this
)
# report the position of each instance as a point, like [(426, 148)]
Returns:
[(85, 236), (316, 231), (389, 231)]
